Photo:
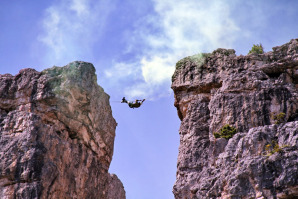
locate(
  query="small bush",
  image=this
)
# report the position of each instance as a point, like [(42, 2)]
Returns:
[(279, 118), (257, 49), (226, 132), (272, 148)]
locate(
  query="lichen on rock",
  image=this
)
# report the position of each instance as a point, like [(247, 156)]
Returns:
[(56, 135), (245, 92)]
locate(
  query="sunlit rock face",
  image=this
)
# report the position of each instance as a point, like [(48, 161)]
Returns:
[(56, 135), (248, 93)]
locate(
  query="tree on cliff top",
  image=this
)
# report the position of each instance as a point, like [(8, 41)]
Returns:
[(258, 49)]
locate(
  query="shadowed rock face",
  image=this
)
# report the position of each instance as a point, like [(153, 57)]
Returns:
[(246, 92), (56, 135)]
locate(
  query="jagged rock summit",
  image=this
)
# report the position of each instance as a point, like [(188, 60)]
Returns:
[(258, 95), (56, 135)]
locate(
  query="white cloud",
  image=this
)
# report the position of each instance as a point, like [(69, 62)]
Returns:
[(143, 90), (122, 70), (180, 28), (157, 70), (80, 7), (70, 29)]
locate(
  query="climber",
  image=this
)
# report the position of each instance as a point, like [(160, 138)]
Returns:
[(135, 104)]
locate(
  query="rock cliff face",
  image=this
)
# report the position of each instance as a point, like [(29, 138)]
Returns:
[(56, 135), (248, 93)]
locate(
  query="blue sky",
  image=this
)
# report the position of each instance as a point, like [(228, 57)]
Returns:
[(134, 46)]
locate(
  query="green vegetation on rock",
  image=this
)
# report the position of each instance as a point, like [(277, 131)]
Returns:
[(258, 49), (226, 132), (274, 147), (279, 118), (70, 75), (198, 59)]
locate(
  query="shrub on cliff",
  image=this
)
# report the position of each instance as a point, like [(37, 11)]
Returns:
[(279, 118), (226, 132), (198, 59), (274, 147), (258, 49)]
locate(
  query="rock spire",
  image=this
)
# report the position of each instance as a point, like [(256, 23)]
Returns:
[(56, 135), (258, 95)]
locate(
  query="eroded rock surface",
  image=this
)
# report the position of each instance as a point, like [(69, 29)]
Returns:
[(246, 92), (56, 135)]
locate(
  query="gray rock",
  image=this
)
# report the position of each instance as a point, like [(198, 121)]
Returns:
[(56, 135), (248, 93)]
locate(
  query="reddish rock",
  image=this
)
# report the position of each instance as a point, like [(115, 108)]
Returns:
[(246, 92), (56, 135)]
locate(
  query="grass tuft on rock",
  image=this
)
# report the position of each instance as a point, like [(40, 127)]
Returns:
[(279, 118)]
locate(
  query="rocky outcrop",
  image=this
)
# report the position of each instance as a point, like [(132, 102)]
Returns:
[(249, 93), (56, 135)]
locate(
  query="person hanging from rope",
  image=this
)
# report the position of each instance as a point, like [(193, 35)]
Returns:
[(135, 104)]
